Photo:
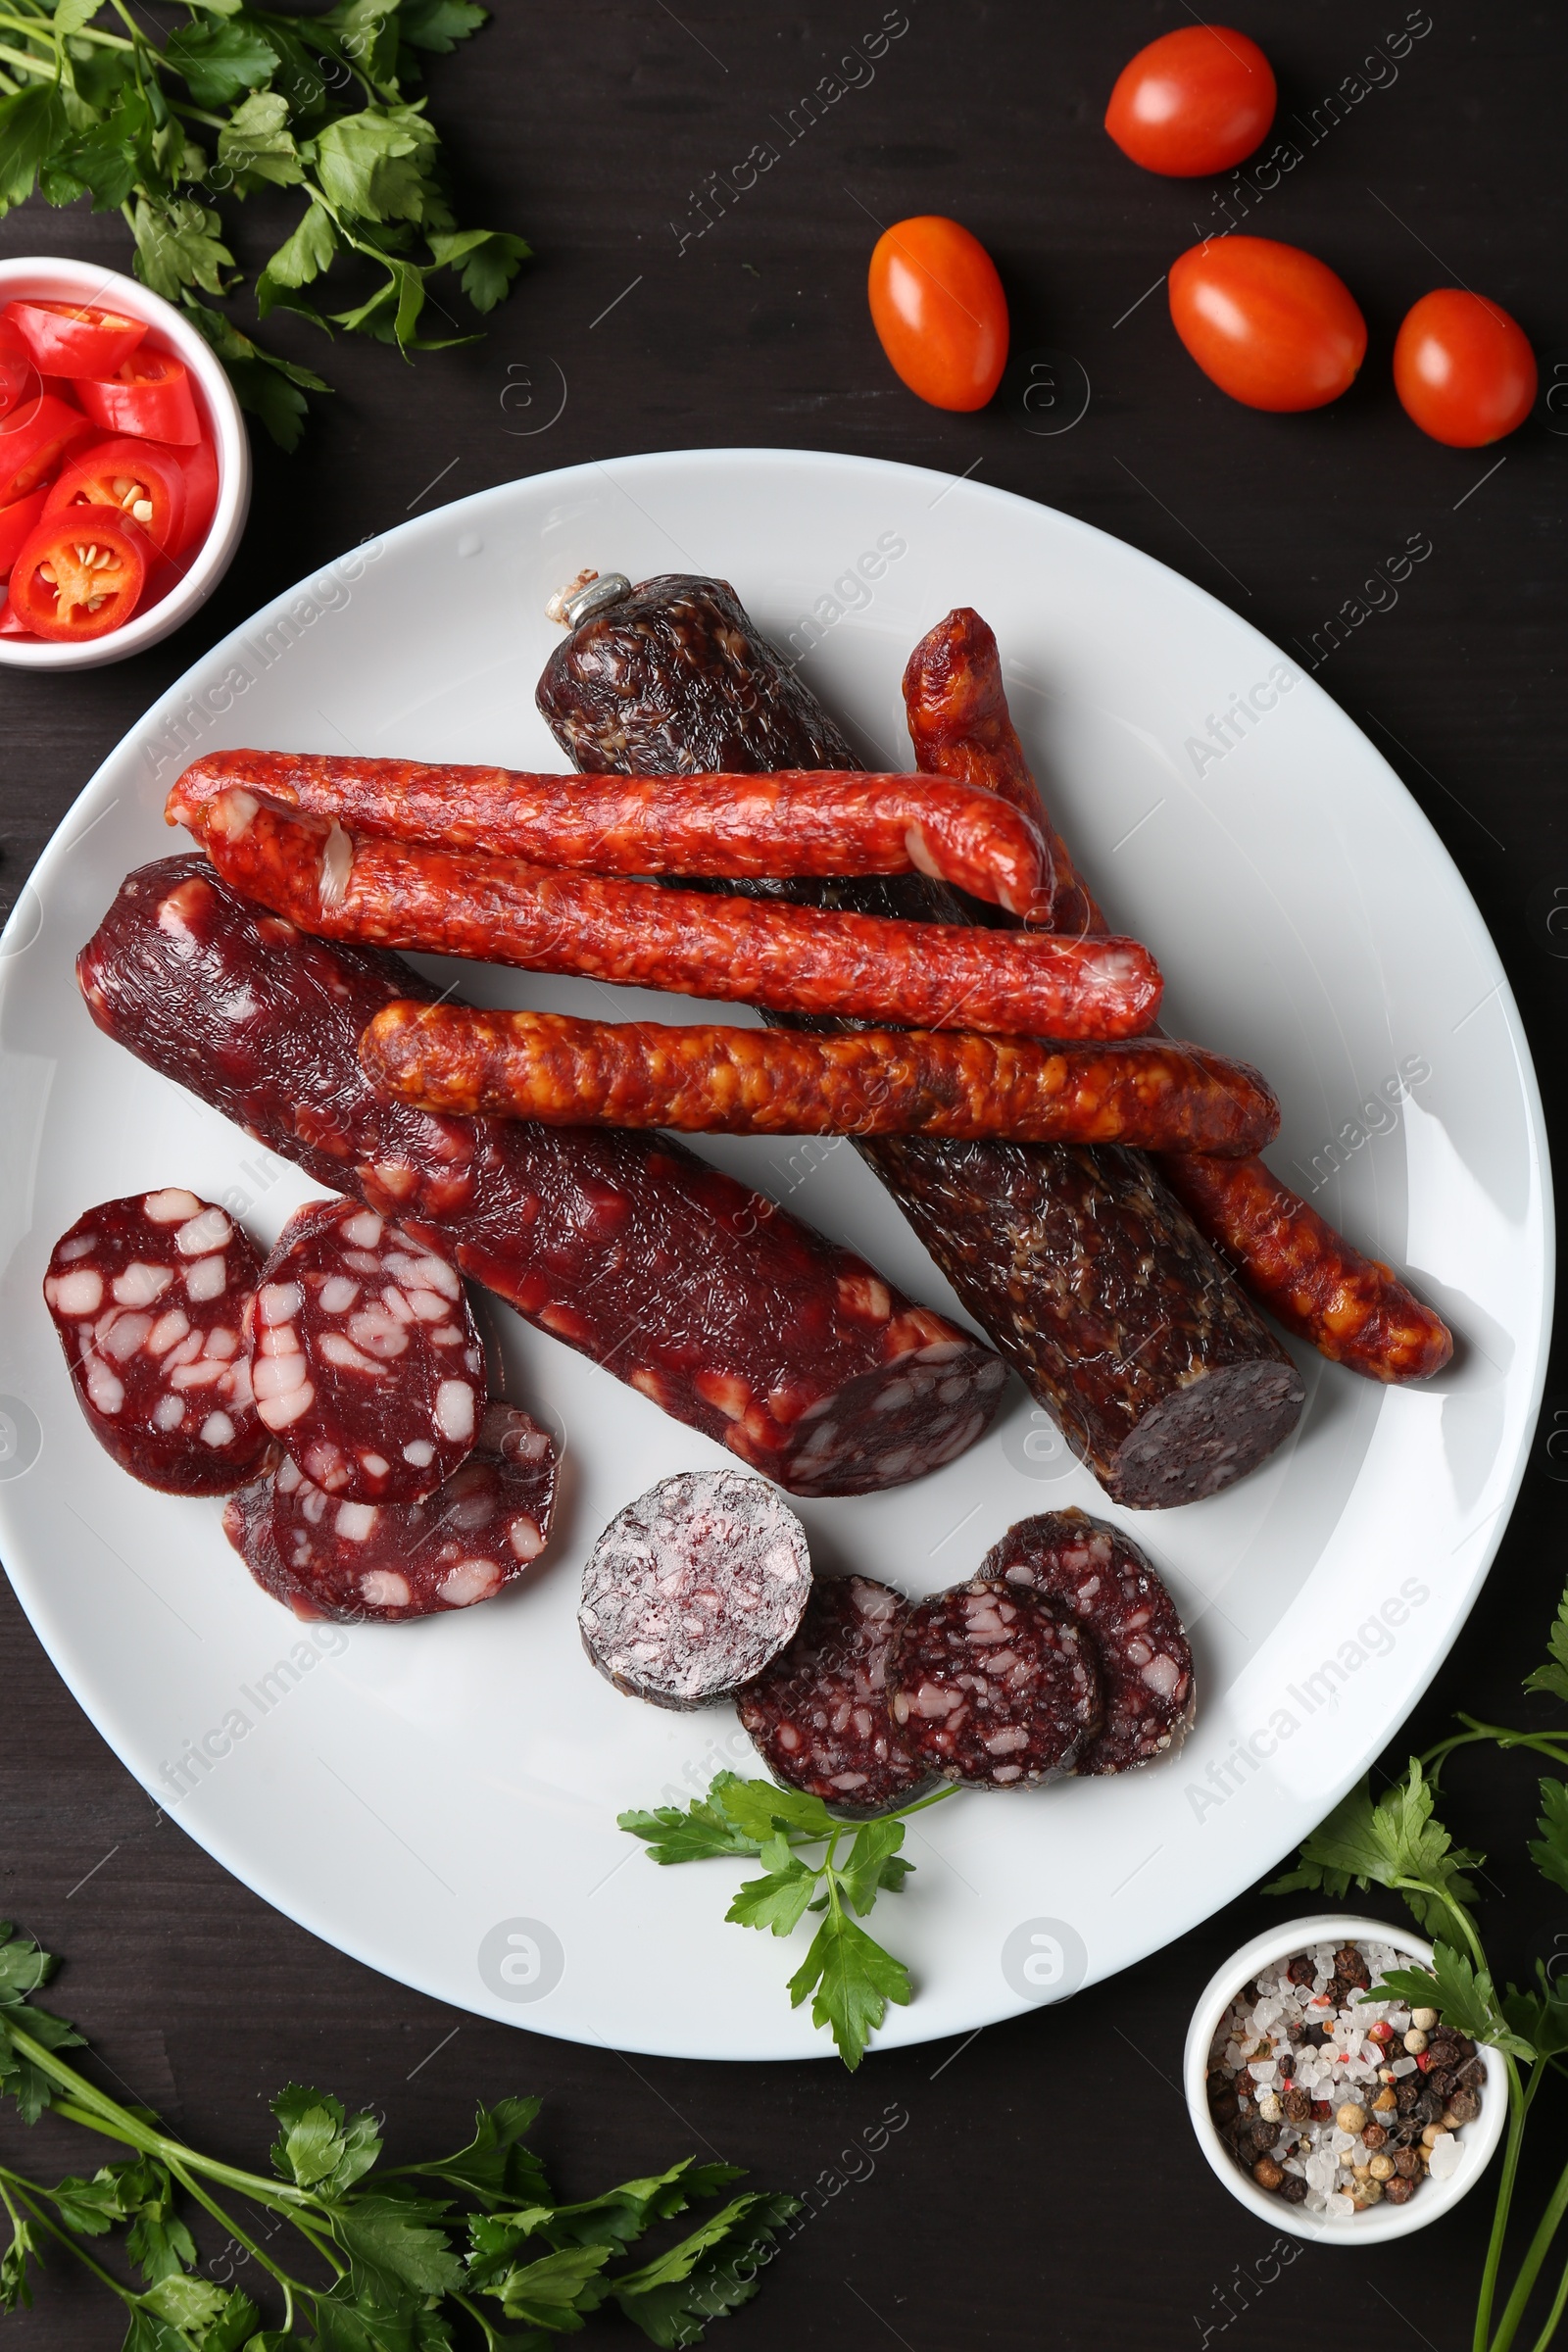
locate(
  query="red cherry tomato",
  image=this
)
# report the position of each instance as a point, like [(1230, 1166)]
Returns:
[(201, 494), (149, 394), (66, 339), (16, 521), (1463, 368), (17, 376), (1273, 325), (78, 579), (34, 438), (143, 479), (939, 309), (1194, 102)]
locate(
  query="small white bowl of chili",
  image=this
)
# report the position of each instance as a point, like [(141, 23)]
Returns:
[(169, 377), (1476, 2141)]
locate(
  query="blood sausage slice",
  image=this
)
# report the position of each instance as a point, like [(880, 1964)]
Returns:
[(819, 1713), (989, 1686), (1117, 1595)]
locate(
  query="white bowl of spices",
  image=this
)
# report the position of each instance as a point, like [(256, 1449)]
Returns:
[(1331, 2114)]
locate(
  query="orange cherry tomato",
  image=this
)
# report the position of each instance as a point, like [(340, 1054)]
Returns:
[(1270, 324), (939, 309), (1463, 368), (1195, 101)]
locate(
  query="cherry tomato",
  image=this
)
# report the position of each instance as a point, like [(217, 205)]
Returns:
[(939, 309), (143, 479), (1273, 325), (78, 579), (201, 494), (67, 339), (148, 394), (1463, 368), (16, 521), (1194, 102), (34, 437), (17, 372)]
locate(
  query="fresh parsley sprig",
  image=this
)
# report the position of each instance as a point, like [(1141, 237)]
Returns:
[(235, 100), (1398, 1842), (848, 1975), (394, 2263)]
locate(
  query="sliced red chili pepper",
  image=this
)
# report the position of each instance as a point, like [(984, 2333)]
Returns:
[(144, 479), (67, 339), (149, 394), (17, 371), (77, 580), (201, 493), (17, 523), (11, 622), (34, 438)]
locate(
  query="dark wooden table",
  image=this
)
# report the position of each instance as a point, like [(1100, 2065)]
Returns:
[(1043, 2187)]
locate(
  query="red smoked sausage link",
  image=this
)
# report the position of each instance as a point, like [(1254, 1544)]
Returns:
[(727, 826), (1353, 1310), (386, 893), (724, 1081), (711, 1300)]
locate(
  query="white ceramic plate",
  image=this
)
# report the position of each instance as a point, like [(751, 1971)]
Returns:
[(439, 1799)]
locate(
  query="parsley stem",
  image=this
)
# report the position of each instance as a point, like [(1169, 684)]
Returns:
[(1538, 2248), (1519, 2098), (1551, 1744), (80, 2252), (1553, 2316), (291, 2286), (492, 2341), (27, 61)]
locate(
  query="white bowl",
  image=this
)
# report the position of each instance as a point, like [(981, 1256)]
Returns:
[(46, 281), (1478, 2141)]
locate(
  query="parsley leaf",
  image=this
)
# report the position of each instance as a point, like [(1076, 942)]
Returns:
[(220, 61), (696, 1834), (1549, 1851), (257, 143), (15, 2288), (550, 2291), (1464, 1993), (1553, 1678), (710, 2274), (1395, 1843), (32, 125), (778, 1902), (395, 2246), (438, 25), (489, 259), (852, 1980), (320, 2148), (495, 2165)]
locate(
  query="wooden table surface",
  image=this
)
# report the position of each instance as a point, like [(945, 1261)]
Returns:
[(1039, 2185)]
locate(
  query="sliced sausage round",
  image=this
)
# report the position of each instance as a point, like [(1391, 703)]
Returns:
[(989, 1685), (695, 1587), (368, 1365), (1117, 1597), (381, 1562), (148, 1295), (819, 1713)]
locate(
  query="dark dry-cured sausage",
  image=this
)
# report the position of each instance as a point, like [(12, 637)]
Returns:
[(799, 822), (323, 1556), (722, 1308), (388, 894), (694, 1588), (728, 1081), (148, 1295), (1353, 1310), (820, 1714), (990, 1685), (366, 1361), (1092, 1281), (1120, 1599)]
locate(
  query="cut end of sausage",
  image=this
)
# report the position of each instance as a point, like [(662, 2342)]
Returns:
[(1202, 1438)]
